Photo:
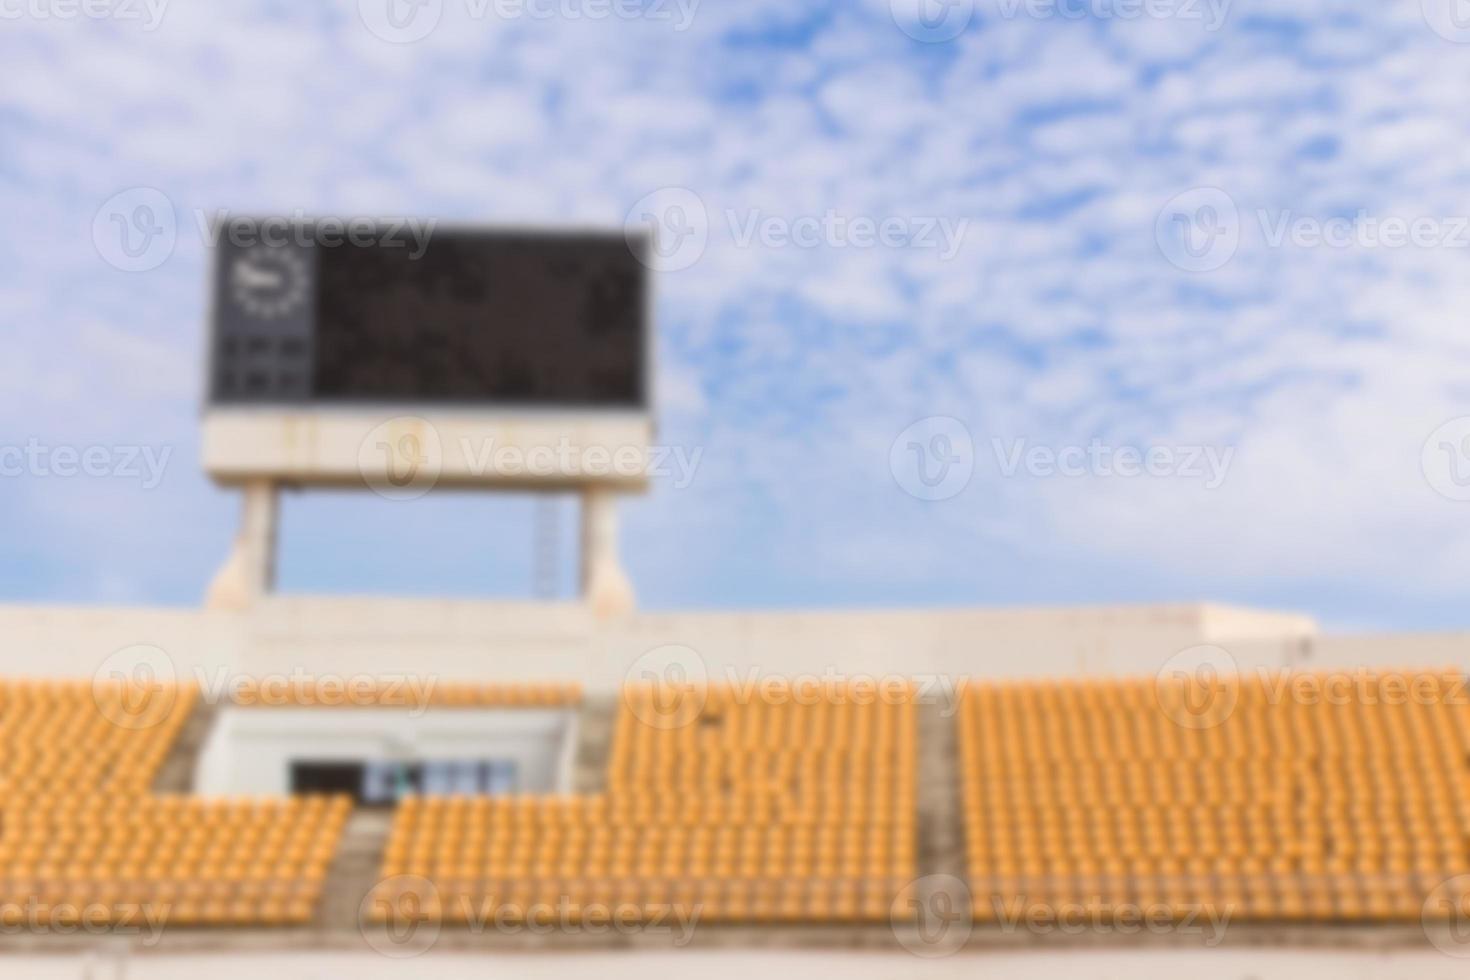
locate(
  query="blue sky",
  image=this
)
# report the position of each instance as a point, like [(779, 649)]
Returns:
[(1164, 232)]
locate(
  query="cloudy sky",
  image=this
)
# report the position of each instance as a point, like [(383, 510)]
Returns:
[(1018, 301)]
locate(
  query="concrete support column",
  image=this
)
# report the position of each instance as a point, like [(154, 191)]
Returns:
[(250, 570), (605, 585)]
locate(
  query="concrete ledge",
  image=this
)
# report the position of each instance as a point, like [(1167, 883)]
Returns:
[(420, 447)]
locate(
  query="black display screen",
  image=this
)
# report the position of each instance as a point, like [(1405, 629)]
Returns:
[(465, 317)]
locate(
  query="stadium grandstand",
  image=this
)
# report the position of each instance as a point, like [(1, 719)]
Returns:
[(901, 789)]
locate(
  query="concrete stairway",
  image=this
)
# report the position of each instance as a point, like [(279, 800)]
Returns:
[(176, 774), (941, 837), (594, 742), (355, 869)]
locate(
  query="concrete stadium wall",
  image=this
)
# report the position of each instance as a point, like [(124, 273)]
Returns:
[(250, 750), (459, 640)]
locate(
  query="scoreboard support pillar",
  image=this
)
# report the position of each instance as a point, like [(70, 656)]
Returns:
[(250, 570), (605, 586)]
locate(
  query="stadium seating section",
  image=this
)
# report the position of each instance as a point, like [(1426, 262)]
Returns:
[(68, 738), (1235, 795), (1282, 798), (771, 805), (174, 860), (80, 832)]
